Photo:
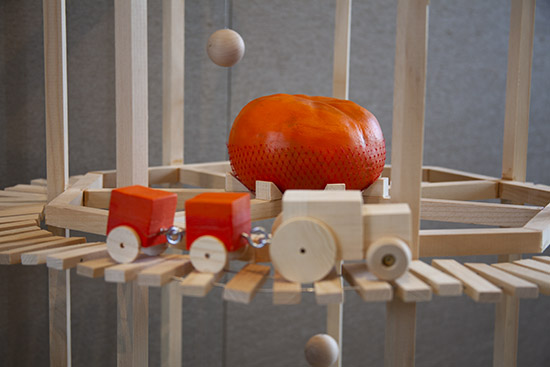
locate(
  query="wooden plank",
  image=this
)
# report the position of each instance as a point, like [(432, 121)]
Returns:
[(13, 256), (59, 298), (441, 283), (511, 285), (267, 191), (476, 287), (15, 194), (125, 273), (342, 36), (262, 209), (31, 189), (39, 256), (443, 174), (201, 178), (171, 326), (411, 289), (164, 174), (161, 274), (461, 190), (16, 231), (77, 218), (286, 292), (20, 218), (198, 284), (541, 222), (366, 284), (95, 268), (329, 290), (544, 259), (12, 201), (535, 265), (39, 182), (521, 192), (244, 285), (28, 242), (21, 224), (8, 240), (173, 78), (22, 210), (479, 241), (533, 276), (69, 259), (477, 213)]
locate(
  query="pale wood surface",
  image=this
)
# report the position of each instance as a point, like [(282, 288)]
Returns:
[(476, 287), (342, 36), (15, 194), (381, 220), (23, 236), (95, 268), (479, 241), (380, 188), (69, 259), (244, 285), (444, 174), (267, 191), (19, 218), (59, 292), (39, 256), (461, 190), (544, 259), (441, 283), (125, 273), (77, 218), (24, 188), (511, 285), (286, 292), (232, 184), (22, 210), (521, 192), (161, 274), (198, 284), (171, 325), (123, 244), (540, 279), (16, 231), (39, 182), (20, 224), (173, 78), (263, 209), (411, 289), (477, 213), (329, 289), (370, 288), (400, 333), (335, 187), (541, 222), (535, 265), (201, 177), (208, 254), (13, 256), (132, 325), (29, 241)]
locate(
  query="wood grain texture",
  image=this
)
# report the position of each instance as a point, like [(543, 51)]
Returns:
[(126, 273), (198, 284), (29, 241), (367, 285), (461, 190), (13, 256), (267, 191), (441, 283), (244, 285), (69, 259), (329, 289), (132, 325), (511, 285), (540, 279), (342, 36), (8, 240), (521, 192), (161, 274), (95, 268), (286, 292), (36, 257), (535, 265), (411, 289), (59, 292)]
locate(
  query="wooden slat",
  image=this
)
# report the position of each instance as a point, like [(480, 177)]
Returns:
[(198, 284), (24, 236), (13, 256), (31, 189), (286, 292), (124, 273), (12, 201), (535, 265), (95, 268), (21, 224), (18, 195), (40, 256), (77, 218), (201, 178), (69, 259), (443, 174), (510, 284), (161, 274), (441, 283), (22, 210), (460, 190), (244, 285), (479, 241), (544, 259), (262, 209), (540, 279), (479, 289), (28, 242), (541, 222), (370, 288), (521, 192), (329, 290), (15, 231), (20, 218), (411, 289), (477, 213), (39, 182)]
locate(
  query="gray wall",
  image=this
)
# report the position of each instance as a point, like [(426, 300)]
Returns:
[(288, 49)]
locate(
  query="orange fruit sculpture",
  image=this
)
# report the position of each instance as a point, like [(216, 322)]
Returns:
[(303, 142)]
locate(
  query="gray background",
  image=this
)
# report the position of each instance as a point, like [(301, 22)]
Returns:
[(288, 49)]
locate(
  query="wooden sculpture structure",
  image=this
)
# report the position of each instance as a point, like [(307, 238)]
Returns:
[(432, 193)]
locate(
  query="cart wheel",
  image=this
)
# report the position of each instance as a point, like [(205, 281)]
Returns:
[(208, 254), (154, 250), (321, 351), (388, 258), (123, 244), (303, 250)]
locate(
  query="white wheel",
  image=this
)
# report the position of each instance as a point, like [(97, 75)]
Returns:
[(208, 254), (154, 250), (123, 244), (388, 258), (303, 250), (321, 351)]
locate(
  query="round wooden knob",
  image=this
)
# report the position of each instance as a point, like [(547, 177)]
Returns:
[(303, 250), (208, 254), (123, 244), (388, 258), (321, 351), (225, 47)]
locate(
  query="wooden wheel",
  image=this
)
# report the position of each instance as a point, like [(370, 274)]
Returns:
[(303, 250), (123, 244), (208, 254), (388, 258), (321, 351)]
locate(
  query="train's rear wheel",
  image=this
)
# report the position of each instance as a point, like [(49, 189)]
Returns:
[(303, 250), (208, 254), (123, 244), (388, 258)]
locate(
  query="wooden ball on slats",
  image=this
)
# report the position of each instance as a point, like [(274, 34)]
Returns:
[(225, 47), (321, 351)]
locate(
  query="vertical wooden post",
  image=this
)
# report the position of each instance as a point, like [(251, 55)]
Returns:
[(173, 76), (132, 163), (340, 89), (514, 157), (171, 326), (57, 158), (407, 148)]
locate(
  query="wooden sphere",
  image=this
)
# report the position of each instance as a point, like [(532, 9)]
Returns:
[(208, 254), (321, 351), (225, 47), (303, 250), (388, 258), (123, 244)]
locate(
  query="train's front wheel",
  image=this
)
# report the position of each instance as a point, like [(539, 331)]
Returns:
[(208, 254), (123, 244)]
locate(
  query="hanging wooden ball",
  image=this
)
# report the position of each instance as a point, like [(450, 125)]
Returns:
[(225, 47), (321, 351)]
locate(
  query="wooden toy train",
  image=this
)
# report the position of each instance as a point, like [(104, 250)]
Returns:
[(317, 230)]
